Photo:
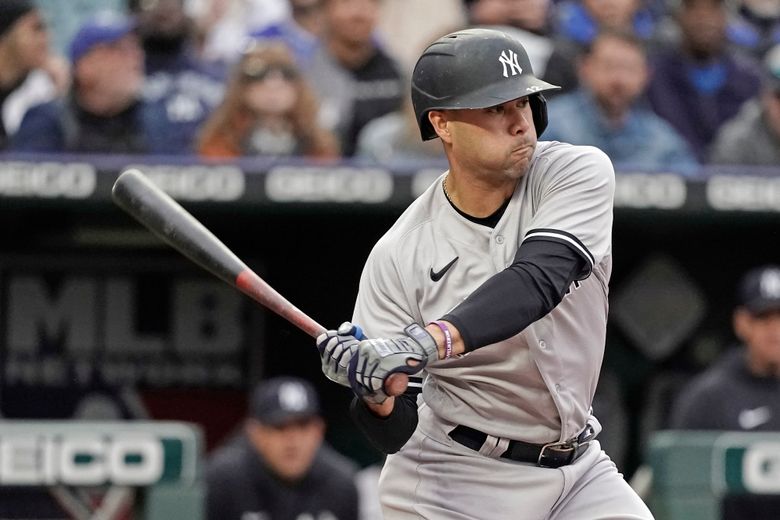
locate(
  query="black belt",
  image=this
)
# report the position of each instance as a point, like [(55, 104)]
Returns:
[(552, 455)]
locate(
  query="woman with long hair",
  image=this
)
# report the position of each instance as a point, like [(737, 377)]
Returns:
[(268, 110)]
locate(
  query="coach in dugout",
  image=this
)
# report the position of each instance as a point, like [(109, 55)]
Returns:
[(741, 391), (278, 468)]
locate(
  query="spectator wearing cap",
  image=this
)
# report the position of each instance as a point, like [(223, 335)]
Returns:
[(741, 391), (223, 25), (104, 111), (752, 137), (29, 73), (278, 467), (300, 32)]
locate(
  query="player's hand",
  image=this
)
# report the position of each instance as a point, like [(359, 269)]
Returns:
[(376, 360), (336, 349)]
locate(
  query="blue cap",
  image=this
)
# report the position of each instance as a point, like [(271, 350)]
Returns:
[(101, 29)]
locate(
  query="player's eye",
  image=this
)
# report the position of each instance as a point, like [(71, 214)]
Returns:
[(498, 109)]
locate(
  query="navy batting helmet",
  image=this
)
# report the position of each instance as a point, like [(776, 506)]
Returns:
[(475, 68)]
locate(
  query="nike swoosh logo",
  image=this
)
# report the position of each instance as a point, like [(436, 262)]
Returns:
[(750, 419), (436, 275)]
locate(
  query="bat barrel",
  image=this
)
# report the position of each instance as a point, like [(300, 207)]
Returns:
[(162, 215)]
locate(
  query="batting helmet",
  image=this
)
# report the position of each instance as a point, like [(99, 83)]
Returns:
[(475, 68)]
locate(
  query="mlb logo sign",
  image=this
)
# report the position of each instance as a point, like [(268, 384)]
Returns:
[(508, 60)]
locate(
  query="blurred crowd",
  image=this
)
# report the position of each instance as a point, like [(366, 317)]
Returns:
[(656, 84)]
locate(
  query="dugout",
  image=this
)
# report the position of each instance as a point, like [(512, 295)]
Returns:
[(703, 475)]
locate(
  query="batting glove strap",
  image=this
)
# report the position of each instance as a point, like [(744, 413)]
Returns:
[(336, 349), (378, 359), (425, 341)]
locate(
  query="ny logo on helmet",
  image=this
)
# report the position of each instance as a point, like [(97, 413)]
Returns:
[(509, 58)]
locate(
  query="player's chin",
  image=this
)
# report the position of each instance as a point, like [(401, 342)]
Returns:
[(517, 165)]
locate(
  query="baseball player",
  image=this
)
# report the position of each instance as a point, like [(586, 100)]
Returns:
[(493, 285)]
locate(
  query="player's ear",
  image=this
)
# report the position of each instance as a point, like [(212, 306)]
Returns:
[(741, 322), (440, 124)]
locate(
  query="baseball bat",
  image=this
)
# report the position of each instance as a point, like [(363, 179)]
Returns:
[(167, 219)]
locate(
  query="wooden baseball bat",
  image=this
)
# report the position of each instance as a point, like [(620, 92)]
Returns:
[(165, 217)]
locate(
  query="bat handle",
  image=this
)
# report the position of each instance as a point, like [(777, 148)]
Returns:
[(256, 288)]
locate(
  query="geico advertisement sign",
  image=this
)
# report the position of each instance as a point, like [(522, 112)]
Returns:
[(761, 468), (81, 459), (338, 184), (752, 468)]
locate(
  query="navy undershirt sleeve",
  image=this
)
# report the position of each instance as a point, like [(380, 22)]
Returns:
[(519, 295), (387, 434)]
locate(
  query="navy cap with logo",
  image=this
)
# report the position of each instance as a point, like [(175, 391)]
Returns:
[(284, 399), (475, 68), (759, 290)]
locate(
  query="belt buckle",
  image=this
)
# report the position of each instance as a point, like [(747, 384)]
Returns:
[(551, 461)]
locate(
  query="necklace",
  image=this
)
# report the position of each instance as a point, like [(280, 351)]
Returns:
[(444, 186)]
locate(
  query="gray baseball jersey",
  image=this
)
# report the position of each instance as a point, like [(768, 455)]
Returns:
[(538, 385)]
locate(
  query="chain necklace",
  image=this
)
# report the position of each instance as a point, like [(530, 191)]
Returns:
[(444, 186)]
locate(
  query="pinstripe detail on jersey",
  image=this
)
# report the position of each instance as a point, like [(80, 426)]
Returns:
[(565, 237)]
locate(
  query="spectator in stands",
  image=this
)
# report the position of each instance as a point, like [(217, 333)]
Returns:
[(752, 26), (223, 26), (531, 15), (577, 22), (699, 83), (395, 137), (753, 135), (301, 32), (103, 112), (528, 21), (29, 73), (268, 110), (741, 392), (405, 27), (356, 79), (607, 110), (279, 467), (177, 80)]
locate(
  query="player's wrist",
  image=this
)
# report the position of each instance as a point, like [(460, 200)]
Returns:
[(447, 345), (381, 410), (425, 340), (447, 337)]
